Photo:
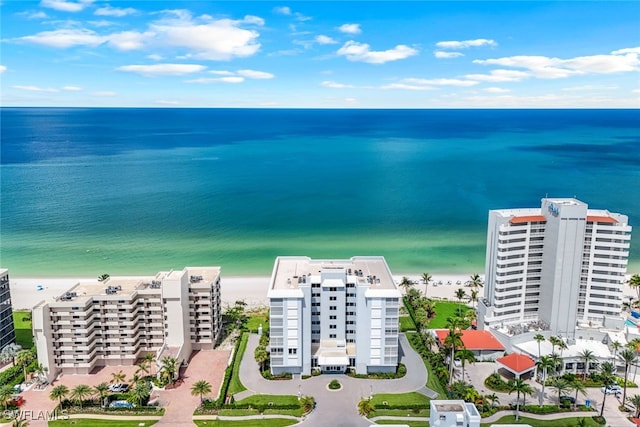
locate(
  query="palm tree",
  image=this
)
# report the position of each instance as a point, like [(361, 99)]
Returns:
[(80, 393), (545, 363), (8, 353), (587, 357), (474, 298), (460, 294), (262, 356), (20, 421), (307, 403), (635, 401), (103, 277), (607, 374), (429, 307), (6, 391), (634, 283), (539, 338), (101, 390), (452, 342), (615, 346), (200, 388), (520, 386), (579, 387), (561, 385), (59, 392), (365, 407), (150, 359), (169, 368), (465, 356), (23, 358), (144, 367), (492, 398), (406, 284), (139, 393), (470, 315), (476, 281), (426, 278), (557, 361), (629, 358), (118, 377), (554, 342)]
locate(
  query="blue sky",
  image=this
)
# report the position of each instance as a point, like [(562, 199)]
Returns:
[(320, 54)]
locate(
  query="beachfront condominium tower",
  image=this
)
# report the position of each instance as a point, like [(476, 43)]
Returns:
[(121, 319), (557, 267), (7, 331), (332, 315)]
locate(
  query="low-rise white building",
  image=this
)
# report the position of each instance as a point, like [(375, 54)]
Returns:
[(121, 319), (333, 315), (453, 413)]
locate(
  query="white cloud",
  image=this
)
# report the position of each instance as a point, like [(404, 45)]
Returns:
[(104, 93), (230, 79), (300, 17), (222, 72), (445, 55), (589, 87), (544, 67), (360, 52), (162, 69), (405, 86), (322, 39), (108, 10), (255, 20), (350, 28), (440, 82), (33, 15), (2, 69), (464, 44), (635, 91), (155, 57), (282, 10), (253, 74), (66, 38), (129, 40), (101, 23), (350, 100), (335, 85), (66, 6), (626, 50), (499, 76), (496, 90), (72, 88), (221, 39), (167, 102), (34, 88)]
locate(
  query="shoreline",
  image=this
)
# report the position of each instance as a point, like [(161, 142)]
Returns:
[(252, 289)]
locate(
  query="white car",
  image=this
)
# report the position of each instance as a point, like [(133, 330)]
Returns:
[(612, 389)]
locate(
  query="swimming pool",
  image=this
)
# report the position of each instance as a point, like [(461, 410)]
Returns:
[(629, 323)]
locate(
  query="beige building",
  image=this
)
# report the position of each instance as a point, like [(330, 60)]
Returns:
[(119, 320)]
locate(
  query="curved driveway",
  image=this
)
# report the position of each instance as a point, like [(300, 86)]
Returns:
[(334, 408)]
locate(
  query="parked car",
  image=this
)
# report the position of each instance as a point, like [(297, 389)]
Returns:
[(569, 399), (17, 400), (612, 389), (119, 388)]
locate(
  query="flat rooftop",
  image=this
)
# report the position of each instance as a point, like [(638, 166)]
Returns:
[(445, 406), (290, 272)]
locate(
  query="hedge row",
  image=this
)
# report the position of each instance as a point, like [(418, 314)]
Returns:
[(402, 407), (227, 377)]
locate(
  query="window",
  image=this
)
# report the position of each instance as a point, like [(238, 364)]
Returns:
[(351, 304), (332, 326), (315, 341), (333, 317), (333, 289), (333, 298), (293, 351), (332, 307), (315, 285), (315, 294), (350, 322), (315, 304), (332, 335), (351, 313), (351, 285), (351, 331), (313, 313)]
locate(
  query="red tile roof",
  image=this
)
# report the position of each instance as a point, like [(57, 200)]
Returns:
[(527, 218), (473, 340), (606, 219), (517, 362)]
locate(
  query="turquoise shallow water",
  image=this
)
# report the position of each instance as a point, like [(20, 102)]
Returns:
[(135, 191)]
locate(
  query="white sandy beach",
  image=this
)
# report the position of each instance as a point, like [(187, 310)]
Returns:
[(253, 290)]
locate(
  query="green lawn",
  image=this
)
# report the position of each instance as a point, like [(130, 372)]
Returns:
[(24, 334), (264, 399), (564, 422), (412, 398), (88, 422), (406, 324), (255, 321), (268, 422), (444, 310), (432, 381), (399, 413), (235, 385)]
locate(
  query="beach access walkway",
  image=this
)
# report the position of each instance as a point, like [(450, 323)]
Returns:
[(334, 407)]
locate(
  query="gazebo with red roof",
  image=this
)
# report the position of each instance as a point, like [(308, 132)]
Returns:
[(481, 342), (517, 364)]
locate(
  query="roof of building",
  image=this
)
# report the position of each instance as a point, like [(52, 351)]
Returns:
[(291, 272), (527, 218), (517, 363), (599, 218), (473, 340)]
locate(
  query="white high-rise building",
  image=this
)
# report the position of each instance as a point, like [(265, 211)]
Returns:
[(333, 315), (117, 321), (558, 266)]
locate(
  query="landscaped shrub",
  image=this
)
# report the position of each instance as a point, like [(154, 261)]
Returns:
[(12, 376), (496, 383), (267, 375), (334, 385)]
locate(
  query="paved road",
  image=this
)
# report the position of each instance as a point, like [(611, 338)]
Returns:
[(335, 408)]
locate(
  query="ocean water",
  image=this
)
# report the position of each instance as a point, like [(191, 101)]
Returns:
[(134, 191)]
